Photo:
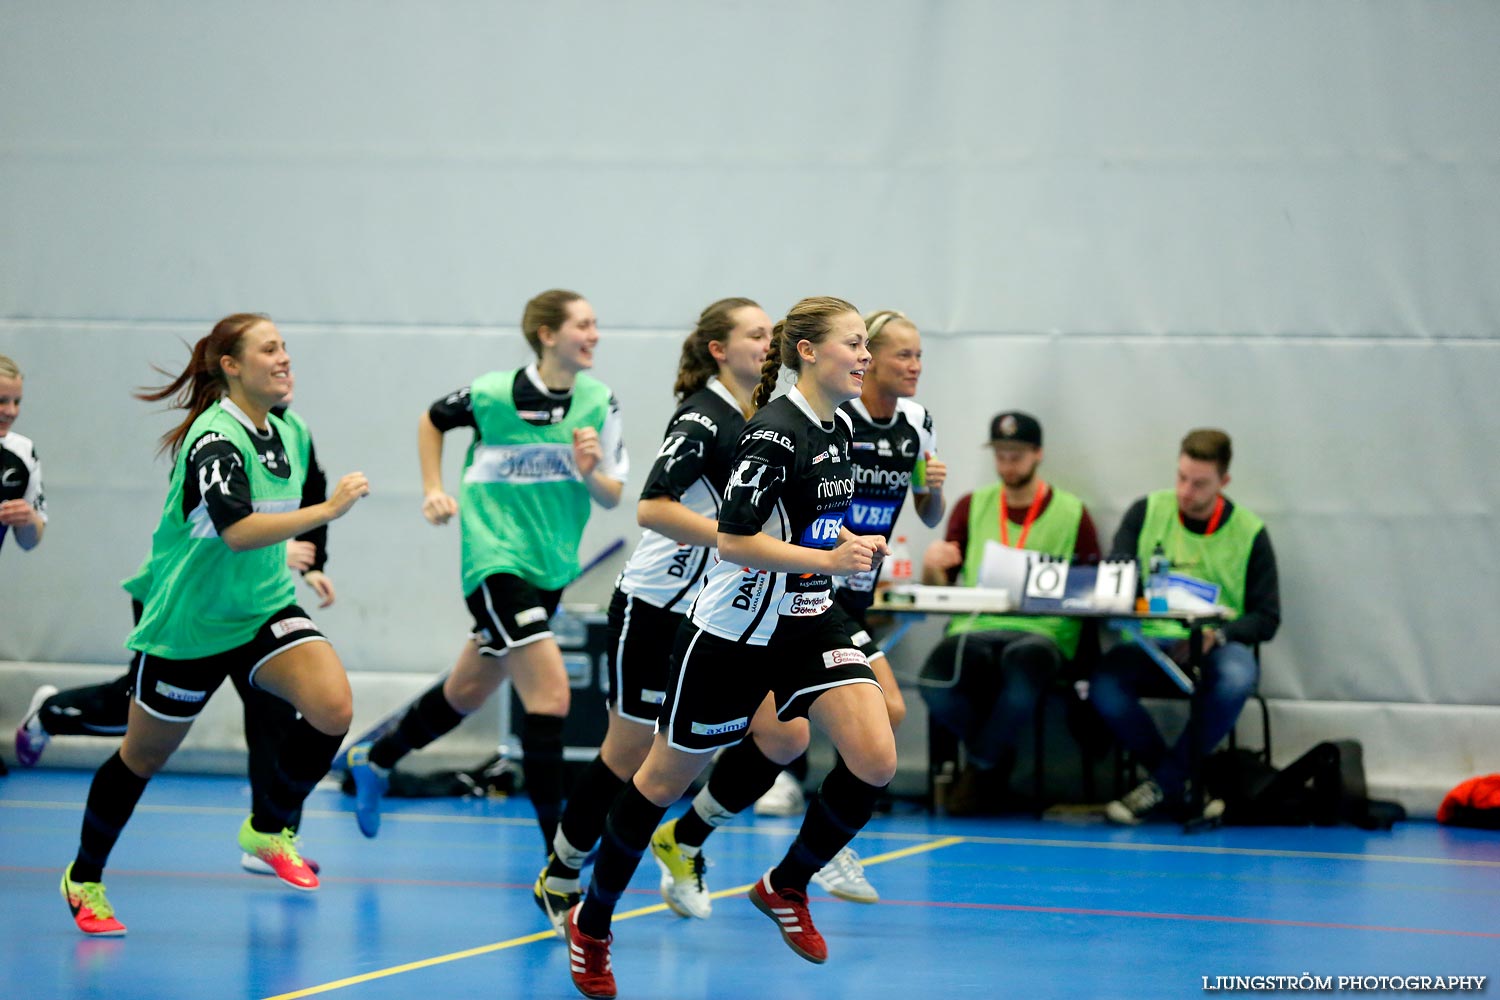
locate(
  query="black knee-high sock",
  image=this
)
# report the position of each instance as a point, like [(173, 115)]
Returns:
[(843, 807), (112, 798), (542, 765), (302, 759), (583, 820), (627, 831), (741, 775), (424, 722)]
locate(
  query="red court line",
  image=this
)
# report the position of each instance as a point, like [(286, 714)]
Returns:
[(333, 880), (1077, 911), (1207, 918)]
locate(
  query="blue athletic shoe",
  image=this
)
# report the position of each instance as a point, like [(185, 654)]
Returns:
[(370, 783)]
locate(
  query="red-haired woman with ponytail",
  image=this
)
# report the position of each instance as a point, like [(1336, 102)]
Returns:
[(222, 602)]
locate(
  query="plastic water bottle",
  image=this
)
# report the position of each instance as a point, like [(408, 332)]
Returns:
[(1156, 580), (900, 561), (919, 475)]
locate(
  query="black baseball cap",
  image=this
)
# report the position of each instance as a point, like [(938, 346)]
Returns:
[(1015, 426)]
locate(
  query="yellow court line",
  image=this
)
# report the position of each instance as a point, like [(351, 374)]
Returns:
[(643, 911)]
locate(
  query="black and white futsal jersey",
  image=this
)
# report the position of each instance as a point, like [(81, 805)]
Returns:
[(884, 454), (216, 492), (692, 468), (539, 406), (792, 479), (20, 475)]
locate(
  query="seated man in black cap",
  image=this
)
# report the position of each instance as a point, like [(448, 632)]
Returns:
[(983, 681)]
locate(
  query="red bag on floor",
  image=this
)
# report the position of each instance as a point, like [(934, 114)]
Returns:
[(1475, 802)]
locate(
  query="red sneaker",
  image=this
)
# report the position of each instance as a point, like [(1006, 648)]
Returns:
[(91, 910), (278, 851), (588, 959), (789, 909)]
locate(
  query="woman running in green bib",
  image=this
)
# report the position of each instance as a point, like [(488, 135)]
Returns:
[(548, 444), (221, 603)]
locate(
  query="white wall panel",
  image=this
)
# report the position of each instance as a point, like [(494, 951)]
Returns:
[(1276, 217)]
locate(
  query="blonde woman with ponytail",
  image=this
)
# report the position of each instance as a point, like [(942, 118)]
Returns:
[(221, 602), (762, 628)]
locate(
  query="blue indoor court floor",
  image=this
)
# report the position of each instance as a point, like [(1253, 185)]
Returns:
[(440, 906)]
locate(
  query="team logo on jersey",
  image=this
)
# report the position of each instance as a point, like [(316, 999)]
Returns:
[(10, 477), (755, 476), (804, 605), (751, 589), (175, 693), (522, 464), (535, 416), (678, 447), (699, 418), (824, 532), (217, 474), (843, 658), (832, 452), (863, 446), (908, 447), (883, 448), (869, 518), (530, 616), (287, 626), (775, 437), (681, 559), (720, 728), (835, 489), (884, 479)]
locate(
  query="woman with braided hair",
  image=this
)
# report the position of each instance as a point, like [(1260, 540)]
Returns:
[(762, 629)]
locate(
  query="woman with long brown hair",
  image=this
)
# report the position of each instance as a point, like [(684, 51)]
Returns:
[(221, 602)]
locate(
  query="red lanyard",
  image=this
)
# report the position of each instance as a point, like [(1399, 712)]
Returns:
[(1213, 519), (1031, 513)]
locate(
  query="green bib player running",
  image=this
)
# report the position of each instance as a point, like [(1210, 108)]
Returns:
[(548, 443), (221, 603)]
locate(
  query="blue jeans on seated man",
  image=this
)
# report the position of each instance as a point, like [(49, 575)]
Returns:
[(983, 687), (1126, 674)]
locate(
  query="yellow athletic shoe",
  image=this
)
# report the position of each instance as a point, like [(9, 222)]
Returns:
[(91, 910), (682, 884)]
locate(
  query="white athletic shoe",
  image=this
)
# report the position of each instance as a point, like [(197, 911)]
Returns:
[(844, 878), (682, 884), (784, 798)]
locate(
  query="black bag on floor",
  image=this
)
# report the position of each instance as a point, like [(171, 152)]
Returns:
[(1323, 787), (496, 776)]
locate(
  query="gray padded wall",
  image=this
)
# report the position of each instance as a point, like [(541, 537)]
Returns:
[(1279, 218)]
